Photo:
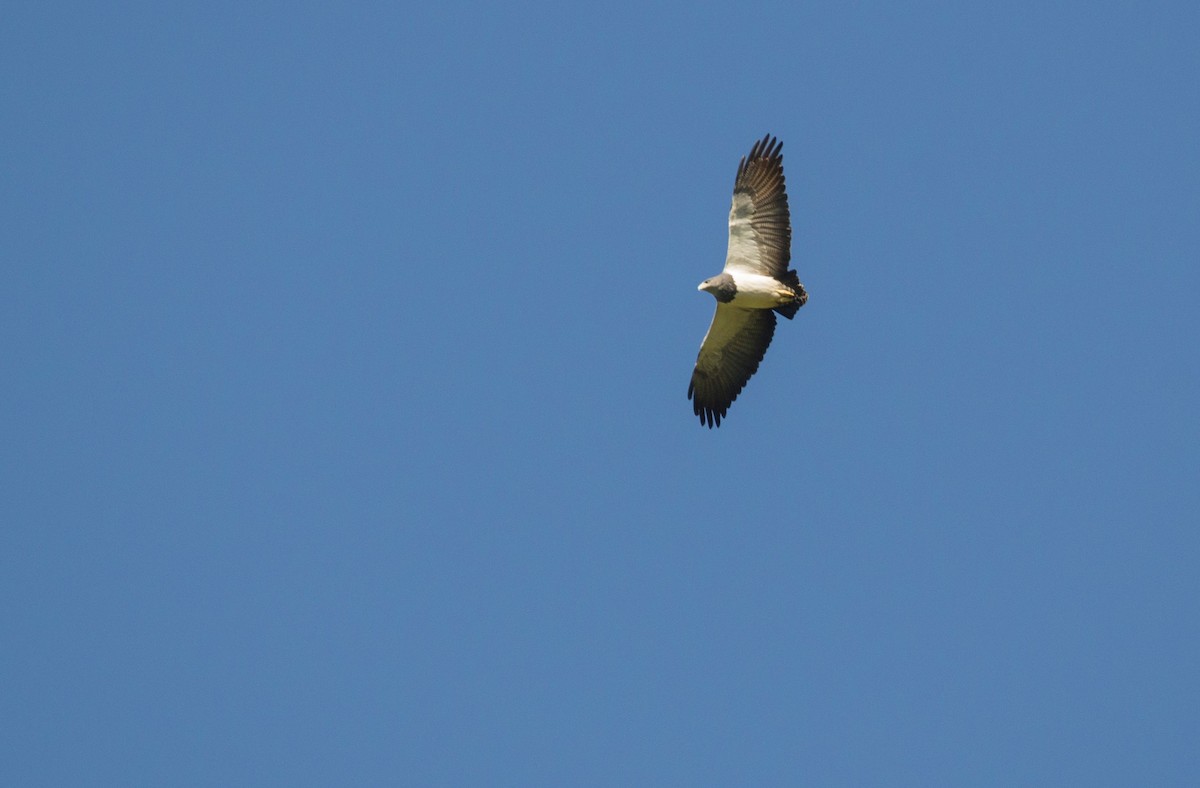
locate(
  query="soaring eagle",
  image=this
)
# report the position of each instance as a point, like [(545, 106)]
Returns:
[(755, 284)]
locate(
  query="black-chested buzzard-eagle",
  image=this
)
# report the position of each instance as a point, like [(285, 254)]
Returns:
[(755, 284)]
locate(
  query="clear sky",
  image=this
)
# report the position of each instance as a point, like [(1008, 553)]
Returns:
[(344, 431)]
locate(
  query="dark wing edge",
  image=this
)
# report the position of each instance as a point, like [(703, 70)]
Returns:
[(760, 177), (735, 344)]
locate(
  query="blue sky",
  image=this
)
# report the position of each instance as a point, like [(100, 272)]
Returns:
[(345, 438)]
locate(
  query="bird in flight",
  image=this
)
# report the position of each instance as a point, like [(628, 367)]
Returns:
[(755, 284)]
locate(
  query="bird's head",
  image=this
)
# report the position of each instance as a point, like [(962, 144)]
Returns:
[(721, 286)]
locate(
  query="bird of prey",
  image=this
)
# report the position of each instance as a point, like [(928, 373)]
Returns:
[(755, 284)]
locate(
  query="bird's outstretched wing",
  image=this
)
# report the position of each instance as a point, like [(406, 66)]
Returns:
[(760, 230), (732, 349)]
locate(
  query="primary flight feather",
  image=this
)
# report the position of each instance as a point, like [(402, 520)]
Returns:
[(755, 284)]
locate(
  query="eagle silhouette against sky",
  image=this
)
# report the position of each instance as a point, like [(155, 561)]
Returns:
[(755, 284)]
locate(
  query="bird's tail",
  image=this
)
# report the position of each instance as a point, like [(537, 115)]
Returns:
[(792, 280)]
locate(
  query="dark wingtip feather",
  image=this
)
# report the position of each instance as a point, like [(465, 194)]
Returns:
[(769, 148)]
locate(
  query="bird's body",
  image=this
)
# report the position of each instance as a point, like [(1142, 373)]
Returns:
[(754, 285), (755, 291)]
